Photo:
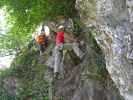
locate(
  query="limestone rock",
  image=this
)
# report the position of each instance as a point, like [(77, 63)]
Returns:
[(114, 20)]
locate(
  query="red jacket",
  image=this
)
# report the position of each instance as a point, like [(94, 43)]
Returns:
[(59, 38)]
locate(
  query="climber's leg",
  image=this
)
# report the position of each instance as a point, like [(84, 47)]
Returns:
[(57, 61), (77, 50), (41, 48), (75, 47)]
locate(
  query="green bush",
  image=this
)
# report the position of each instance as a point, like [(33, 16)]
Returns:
[(30, 75)]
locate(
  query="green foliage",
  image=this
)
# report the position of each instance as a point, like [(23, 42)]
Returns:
[(98, 55), (77, 26), (25, 15), (30, 74)]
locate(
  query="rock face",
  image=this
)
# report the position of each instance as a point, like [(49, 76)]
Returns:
[(85, 79), (11, 85), (81, 80), (113, 18)]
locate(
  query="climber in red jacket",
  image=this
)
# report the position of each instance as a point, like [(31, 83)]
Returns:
[(61, 38)]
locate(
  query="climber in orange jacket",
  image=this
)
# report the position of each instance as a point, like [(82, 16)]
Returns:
[(43, 38), (40, 39)]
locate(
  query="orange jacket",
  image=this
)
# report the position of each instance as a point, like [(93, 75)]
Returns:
[(40, 39)]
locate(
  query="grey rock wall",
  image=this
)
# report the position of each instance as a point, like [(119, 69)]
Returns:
[(81, 79), (114, 21)]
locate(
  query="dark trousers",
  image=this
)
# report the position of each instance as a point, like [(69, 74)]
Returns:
[(42, 47)]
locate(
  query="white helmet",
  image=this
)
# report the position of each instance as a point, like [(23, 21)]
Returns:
[(60, 27)]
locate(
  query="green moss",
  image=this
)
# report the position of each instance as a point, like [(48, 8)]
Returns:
[(98, 56), (77, 26), (131, 88)]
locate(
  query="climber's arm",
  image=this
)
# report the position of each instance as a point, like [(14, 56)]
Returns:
[(69, 37)]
